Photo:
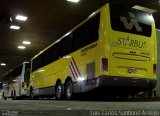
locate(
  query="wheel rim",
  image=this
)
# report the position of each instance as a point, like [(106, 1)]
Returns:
[(32, 95), (3, 96), (69, 91), (58, 91), (14, 94)]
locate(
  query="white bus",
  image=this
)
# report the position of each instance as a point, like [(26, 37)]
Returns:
[(1, 89), (15, 82)]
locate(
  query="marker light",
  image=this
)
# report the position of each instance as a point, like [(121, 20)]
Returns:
[(154, 69), (104, 64)]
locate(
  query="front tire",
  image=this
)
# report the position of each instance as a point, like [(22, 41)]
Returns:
[(68, 90)]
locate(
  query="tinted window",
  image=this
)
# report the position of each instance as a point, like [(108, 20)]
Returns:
[(87, 33), (35, 64), (131, 21), (82, 36), (14, 73)]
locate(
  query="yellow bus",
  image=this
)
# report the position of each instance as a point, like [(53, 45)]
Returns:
[(111, 48)]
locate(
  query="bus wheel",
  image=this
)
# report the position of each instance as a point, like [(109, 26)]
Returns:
[(31, 94), (14, 95), (4, 96), (58, 91), (68, 90)]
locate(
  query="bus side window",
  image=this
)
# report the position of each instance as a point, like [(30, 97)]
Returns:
[(86, 33), (82, 36), (27, 77), (35, 64), (66, 46)]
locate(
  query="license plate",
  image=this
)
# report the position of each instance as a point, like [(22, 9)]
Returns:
[(132, 70)]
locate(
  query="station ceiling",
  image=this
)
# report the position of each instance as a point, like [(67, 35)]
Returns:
[(47, 21)]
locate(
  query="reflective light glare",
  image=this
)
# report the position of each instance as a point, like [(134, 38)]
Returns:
[(3, 64), (73, 1), (21, 18), (15, 27), (81, 79), (21, 47), (41, 71), (145, 9), (67, 34), (66, 56), (26, 42), (92, 14), (11, 19)]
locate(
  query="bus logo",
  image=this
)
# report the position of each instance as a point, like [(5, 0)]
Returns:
[(133, 22), (74, 69)]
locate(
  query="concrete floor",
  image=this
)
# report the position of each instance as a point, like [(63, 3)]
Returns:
[(77, 108)]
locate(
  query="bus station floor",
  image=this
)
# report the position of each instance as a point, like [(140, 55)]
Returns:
[(78, 108)]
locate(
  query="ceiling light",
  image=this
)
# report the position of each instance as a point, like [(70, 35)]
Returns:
[(15, 27), (26, 42), (21, 18), (3, 64), (73, 1), (21, 47)]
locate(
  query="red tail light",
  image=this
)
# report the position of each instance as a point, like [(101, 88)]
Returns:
[(104, 64), (154, 69)]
